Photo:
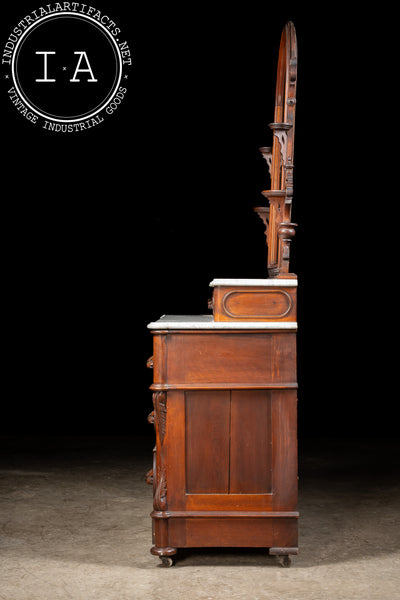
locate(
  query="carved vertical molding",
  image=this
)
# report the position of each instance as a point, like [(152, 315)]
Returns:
[(289, 181), (160, 495), (160, 412), (280, 160), (160, 418)]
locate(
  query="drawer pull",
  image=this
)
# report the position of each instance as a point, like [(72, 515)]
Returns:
[(149, 363)]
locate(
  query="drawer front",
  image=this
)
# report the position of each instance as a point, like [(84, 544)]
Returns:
[(245, 358), (254, 304)]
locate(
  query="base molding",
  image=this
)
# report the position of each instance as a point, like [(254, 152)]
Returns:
[(268, 532), (163, 551), (237, 514)]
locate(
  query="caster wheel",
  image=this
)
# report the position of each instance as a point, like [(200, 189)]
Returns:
[(285, 561), (166, 561)]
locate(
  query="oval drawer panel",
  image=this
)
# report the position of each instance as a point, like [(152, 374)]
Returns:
[(274, 304)]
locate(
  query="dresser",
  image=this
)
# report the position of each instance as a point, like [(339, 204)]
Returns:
[(225, 389)]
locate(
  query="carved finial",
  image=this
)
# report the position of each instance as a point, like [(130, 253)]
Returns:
[(286, 232)]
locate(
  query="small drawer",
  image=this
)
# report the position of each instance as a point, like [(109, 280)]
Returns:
[(255, 303)]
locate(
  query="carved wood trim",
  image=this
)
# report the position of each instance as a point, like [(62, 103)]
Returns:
[(263, 213), (160, 495), (160, 471), (281, 133), (160, 414), (280, 159), (267, 155)]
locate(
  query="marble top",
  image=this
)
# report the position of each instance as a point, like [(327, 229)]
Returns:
[(255, 282), (207, 322)]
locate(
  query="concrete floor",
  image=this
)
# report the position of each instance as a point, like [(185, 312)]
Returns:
[(74, 525)]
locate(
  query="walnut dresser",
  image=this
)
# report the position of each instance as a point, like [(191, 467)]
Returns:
[(225, 388)]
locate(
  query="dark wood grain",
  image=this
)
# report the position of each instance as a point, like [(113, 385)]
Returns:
[(207, 442), (251, 443)]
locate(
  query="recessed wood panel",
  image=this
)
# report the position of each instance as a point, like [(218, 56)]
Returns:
[(207, 442), (251, 444)]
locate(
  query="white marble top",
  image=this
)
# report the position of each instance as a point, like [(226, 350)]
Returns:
[(255, 282), (207, 322)]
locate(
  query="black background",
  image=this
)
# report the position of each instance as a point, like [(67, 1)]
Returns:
[(105, 230)]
